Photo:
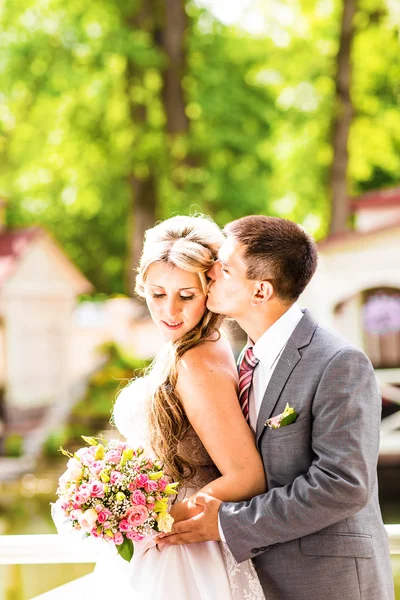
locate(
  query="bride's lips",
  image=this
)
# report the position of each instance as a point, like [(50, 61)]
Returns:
[(172, 326)]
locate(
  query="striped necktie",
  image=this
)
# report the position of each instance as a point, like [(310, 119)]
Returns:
[(246, 370)]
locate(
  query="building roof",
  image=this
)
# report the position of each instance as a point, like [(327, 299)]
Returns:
[(377, 199), (338, 239), (16, 242), (13, 244)]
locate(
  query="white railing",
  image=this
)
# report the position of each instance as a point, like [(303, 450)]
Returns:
[(58, 549)]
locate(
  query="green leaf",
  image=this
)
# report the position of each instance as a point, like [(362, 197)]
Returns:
[(289, 419), (89, 440), (126, 549)]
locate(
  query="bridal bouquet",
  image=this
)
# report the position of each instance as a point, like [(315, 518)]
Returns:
[(114, 492)]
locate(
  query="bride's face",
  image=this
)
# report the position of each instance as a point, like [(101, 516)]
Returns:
[(175, 299)]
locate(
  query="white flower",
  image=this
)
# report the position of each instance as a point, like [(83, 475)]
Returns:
[(88, 519), (74, 469), (165, 522)]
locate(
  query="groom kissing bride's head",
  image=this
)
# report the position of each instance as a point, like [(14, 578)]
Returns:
[(262, 268)]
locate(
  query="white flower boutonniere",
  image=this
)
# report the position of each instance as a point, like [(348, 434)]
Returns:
[(288, 416)]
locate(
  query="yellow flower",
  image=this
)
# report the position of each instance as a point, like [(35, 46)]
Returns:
[(170, 488), (156, 475), (99, 454), (160, 506)]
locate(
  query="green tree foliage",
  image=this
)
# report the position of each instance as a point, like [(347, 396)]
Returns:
[(77, 78)]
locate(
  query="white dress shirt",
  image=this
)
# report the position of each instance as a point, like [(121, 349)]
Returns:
[(268, 349)]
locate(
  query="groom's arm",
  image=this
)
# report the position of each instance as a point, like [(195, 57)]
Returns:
[(345, 444)]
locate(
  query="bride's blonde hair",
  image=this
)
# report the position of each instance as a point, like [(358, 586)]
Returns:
[(192, 244)]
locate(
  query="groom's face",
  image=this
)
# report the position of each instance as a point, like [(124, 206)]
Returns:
[(230, 292)]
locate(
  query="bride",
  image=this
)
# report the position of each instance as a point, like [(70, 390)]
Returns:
[(186, 412)]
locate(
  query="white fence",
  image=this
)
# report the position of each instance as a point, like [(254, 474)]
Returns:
[(55, 549)]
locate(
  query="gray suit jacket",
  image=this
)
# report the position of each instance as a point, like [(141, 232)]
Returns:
[(317, 534)]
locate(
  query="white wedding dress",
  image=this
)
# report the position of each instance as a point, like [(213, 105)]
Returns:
[(201, 571)]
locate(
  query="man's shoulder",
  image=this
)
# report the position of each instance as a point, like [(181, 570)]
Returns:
[(330, 343)]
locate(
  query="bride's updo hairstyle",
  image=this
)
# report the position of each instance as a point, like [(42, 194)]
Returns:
[(192, 244)]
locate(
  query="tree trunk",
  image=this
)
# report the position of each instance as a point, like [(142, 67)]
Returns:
[(172, 42), (342, 122), (166, 20), (144, 208)]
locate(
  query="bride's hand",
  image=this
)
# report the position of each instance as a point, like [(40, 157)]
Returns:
[(181, 511)]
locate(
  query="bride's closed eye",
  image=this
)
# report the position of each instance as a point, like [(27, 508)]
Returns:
[(181, 297)]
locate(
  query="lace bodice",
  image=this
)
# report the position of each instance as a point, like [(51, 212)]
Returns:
[(130, 416)]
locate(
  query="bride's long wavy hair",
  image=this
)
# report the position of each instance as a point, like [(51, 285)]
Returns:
[(192, 244)]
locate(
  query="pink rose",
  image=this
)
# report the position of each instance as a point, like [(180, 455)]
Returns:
[(141, 479), (162, 484), (275, 421), (97, 489), (87, 460), (82, 452), (107, 525), (150, 506), (98, 508), (102, 517), (75, 514), (113, 456), (138, 497), (94, 533), (122, 446), (135, 536), (97, 466), (151, 486), (118, 538), (132, 486), (78, 499), (84, 492), (124, 525), (115, 477), (136, 515)]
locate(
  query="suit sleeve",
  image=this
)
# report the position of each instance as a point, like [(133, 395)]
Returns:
[(346, 415)]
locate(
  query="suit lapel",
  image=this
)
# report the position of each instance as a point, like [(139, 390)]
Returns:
[(287, 362), (300, 337)]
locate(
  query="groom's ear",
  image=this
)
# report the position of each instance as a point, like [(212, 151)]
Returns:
[(263, 291)]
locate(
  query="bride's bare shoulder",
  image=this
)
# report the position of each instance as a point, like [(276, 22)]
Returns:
[(210, 354)]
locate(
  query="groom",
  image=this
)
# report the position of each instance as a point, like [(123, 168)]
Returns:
[(317, 534)]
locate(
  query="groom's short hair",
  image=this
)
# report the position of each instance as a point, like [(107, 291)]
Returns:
[(276, 250)]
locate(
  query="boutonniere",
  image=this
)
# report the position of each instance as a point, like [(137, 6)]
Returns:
[(288, 416)]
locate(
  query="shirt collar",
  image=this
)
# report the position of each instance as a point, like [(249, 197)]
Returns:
[(271, 343)]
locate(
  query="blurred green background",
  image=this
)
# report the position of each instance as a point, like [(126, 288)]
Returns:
[(117, 113)]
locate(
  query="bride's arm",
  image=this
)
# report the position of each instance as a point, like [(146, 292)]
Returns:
[(208, 388)]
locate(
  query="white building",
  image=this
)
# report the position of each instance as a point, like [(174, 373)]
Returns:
[(356, 290), (38, 290)]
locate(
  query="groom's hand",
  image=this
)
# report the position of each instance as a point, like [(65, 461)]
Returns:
[(201, 528)]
